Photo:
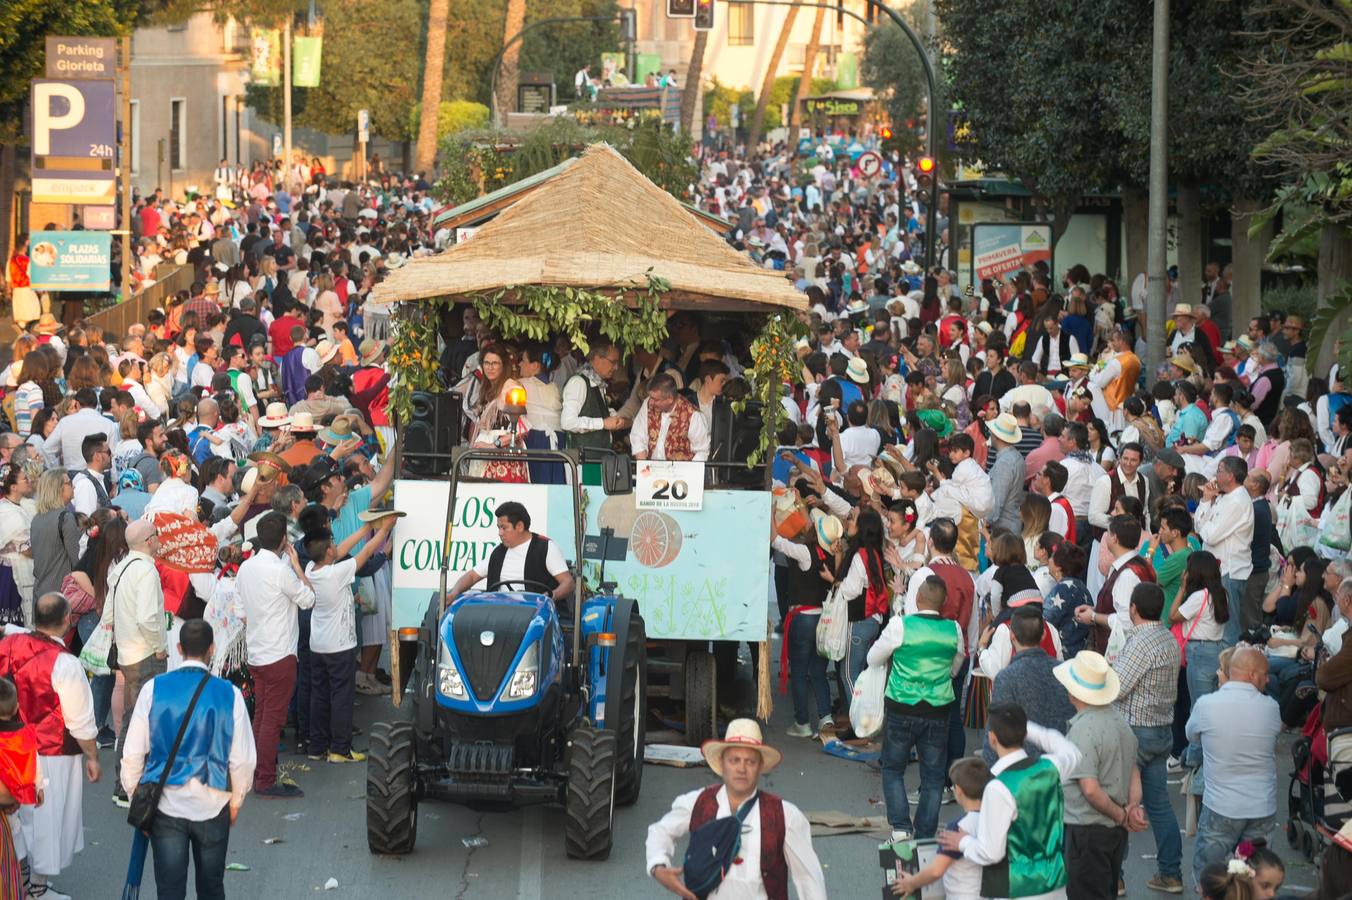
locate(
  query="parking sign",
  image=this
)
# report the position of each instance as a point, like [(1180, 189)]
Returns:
[(74, 139)]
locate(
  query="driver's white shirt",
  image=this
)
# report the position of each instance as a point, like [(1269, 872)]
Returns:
[(514, 564)]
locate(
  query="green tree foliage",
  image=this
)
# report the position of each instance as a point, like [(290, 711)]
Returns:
[(1038, 100), (454, 117), (354, 77), (892, 68)]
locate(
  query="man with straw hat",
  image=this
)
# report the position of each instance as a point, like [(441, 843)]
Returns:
[(776, 845), (1103, 792)]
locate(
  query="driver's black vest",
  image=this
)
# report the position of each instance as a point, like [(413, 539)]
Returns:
[(535, 563)]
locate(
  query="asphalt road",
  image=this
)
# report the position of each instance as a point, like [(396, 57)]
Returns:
[(323, 836)]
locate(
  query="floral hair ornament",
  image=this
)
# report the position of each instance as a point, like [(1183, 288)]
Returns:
[(1245, 850), (1238, 866)]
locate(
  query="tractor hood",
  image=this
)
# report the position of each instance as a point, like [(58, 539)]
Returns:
[(487, 634)]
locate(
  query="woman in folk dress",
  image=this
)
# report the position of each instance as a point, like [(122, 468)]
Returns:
[(493, 424)]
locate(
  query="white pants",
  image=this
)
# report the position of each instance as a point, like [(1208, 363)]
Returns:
[(54, 831)]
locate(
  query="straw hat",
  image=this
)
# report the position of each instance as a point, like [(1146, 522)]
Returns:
[(327, 350), (857, 371), (856, 307), (48, 324), (741, 733), (1185, 362), (1089, 678), (1244, 342), (985, 327), (1228, 348), (1006, 428), (910, 267), (303, 421), (250, 478), (879, 481), (829, 529), (370, 351), (276, 416), (338, 432), (1184, 309), (1077, 361)]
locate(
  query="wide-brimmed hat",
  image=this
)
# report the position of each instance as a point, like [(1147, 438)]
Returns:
[(1185, 362), (327, 350), (985, 327), (1077, 361), (276, 416), (744, 733), (1089, 678), (303, 421), (1184, 309), (857, 371), (212, 289), (879, 481), (338, 432), (370, 351), (911, 268), (856, 307), (1244, 342), (48, 324), (829, 529), (1006, 428)]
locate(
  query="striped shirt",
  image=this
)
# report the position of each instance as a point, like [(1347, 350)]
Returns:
[(1148, 668)]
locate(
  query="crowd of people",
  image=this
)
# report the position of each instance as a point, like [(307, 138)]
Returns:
[(980, 491)]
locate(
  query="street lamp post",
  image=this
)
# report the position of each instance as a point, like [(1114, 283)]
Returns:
[(1157, 280)]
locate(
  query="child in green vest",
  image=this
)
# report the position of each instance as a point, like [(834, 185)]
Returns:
[(1019, 834)]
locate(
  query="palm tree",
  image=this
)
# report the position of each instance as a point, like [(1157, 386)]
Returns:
[(768, 83), (809, 64), (510, 70), (435, 62), (690, 97)]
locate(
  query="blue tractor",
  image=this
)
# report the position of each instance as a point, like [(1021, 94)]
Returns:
[(515, 700)]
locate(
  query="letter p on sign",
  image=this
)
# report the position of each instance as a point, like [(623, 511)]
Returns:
[(48, 98)]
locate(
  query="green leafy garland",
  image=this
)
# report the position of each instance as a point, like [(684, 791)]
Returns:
[(774, 363), (541, 311), (413, 354)]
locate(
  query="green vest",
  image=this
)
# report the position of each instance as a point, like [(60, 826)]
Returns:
[(1034, 860), (594, 406), (922, 667)]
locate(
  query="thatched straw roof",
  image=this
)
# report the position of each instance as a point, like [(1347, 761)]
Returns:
[(597, 224)]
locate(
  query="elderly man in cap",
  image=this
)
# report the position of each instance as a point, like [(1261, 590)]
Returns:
[(1006, 473), (1187, 332), (776, 846), (1103, 791)]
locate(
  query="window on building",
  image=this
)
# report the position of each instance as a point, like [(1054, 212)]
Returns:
[(741, 24), (135, 127), (178, 123)]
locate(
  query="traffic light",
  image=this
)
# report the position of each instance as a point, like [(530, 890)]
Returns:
[(925, 165), (704, 15), (886, 133), (680, 9), (628, 26)]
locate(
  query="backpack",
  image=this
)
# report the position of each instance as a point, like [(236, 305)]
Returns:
[(713, 848)]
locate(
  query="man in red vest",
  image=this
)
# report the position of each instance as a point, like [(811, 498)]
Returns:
[(776, 837), (55, 699)]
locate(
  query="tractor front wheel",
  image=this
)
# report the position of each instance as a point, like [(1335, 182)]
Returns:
[(589, 804), (391, 789)]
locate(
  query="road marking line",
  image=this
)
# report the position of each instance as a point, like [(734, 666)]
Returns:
[(532, 852)]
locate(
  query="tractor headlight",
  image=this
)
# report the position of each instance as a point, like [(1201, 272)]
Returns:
[(527, 674), (449, 681)]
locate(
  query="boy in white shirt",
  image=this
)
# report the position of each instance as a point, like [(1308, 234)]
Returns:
[(961, 877), (333, 637)]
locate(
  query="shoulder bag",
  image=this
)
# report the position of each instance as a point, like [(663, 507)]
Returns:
[(145, 800)]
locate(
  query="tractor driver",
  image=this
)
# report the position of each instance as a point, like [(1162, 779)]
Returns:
[(524, 560)]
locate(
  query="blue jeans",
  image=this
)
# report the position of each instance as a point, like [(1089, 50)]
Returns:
[(1218, 836), (171, 838), (807, 670), (100, 685), (929, 737), (1234, 595), (1204, 658), (300, 700), (862, 635), (957, 735), (1153, 743)]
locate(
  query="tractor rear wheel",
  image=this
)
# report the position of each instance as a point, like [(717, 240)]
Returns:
[(701, 697), (633, 712), (391, 789), (590, 800)]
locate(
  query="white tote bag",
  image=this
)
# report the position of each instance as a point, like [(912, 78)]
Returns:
[(833, 629), (866, 706)]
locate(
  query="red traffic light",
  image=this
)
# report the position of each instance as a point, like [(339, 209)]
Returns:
[(704, 15), (925, 165), (886, 132)]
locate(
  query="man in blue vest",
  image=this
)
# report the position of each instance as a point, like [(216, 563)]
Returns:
[(211, 773)]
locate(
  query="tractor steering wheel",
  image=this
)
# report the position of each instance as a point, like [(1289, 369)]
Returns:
[(526, 584)]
